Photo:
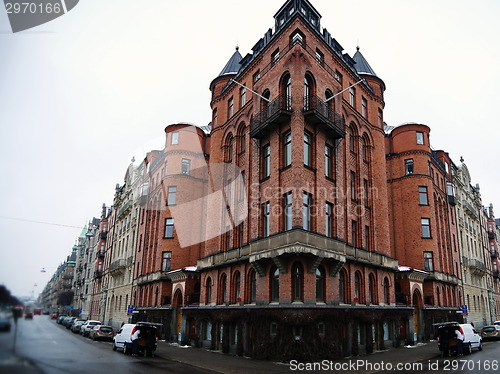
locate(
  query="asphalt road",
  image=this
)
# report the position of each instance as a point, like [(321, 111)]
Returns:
[(53, 349), (486, 361)]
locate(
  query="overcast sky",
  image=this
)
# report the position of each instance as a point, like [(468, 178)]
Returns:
[(84, 93)]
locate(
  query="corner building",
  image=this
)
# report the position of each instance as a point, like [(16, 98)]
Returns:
[(309, 273)]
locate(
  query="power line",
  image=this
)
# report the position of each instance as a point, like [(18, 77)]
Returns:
[(40, 222)]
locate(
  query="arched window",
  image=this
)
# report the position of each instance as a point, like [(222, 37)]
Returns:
[(386, 291), (320, 284), (343, 287), (236, 294), (372, 290), (308, 91), (365, 149), (275, 284), (330, 103), (286, 91), (297, 282), (242, 138), (358, 287), (208, 295), (252, 286), (223, 289), (352, 139), (230, 148), (263, 102)]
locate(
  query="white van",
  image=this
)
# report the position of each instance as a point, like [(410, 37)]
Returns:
[(472, 339), (123, 335)]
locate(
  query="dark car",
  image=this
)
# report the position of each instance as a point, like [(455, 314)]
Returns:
[(5, 322), (28, 315), (148, 336)]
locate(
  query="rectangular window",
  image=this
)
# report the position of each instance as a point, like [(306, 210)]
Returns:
[(243, 97), (214, 118), (409, 166), (186, 166), (338, 76), (169, 228), (328, 161), (428, 261), (353, 185), (423, 197), (307, 149), (266, 161), (366, 192), (287, 149), (175, 137), (367, 238), (352, 96), (380, 118), (172, 195), (266, 219), (306, 211), (242, 185), (449, 189), (287, 199), (241, 231), (275, 56), (256, 77), (228, 241), (230, 109), (364, 107), (420, 137), (166, 261), (320, 57), (354, 233), (329, 219), (426, 228)]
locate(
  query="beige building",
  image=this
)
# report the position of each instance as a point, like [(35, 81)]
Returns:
[(475, 256), (122, 240)]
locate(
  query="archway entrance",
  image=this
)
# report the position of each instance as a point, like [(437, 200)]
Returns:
[(417, 303), (178, 304)]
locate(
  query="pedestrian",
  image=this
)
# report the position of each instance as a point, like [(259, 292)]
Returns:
[(135, 341), (460, 341)]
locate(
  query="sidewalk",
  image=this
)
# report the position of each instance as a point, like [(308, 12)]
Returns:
[(227, 364)]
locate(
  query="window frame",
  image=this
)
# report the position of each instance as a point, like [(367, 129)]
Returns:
[(169, 225)]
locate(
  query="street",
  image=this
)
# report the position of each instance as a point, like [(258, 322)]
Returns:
[(53, 349)]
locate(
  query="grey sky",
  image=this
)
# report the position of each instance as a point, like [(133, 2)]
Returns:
[(84, 93)]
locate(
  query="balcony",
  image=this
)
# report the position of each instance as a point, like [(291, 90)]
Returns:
[(100, 254), (494, 254), (67, 277), (452, 200), (491, 235), (477, 266), (317, 112), (496, 274), (278, 112), (103, 235), (98, 273), (124, 209), (118, 265)]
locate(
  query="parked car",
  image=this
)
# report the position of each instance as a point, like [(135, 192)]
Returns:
[(37, 311), (28, 315), (85, 329), (490, 332), (5, 322), (60, 318), (77, 325), (101, 332), (122, 335), (65, 320), (147, 338), (70, 322), (496, 323), (53, 316), (447, 342)]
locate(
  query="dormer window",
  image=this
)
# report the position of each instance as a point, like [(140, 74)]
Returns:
[(282, 21), (297, 37), (292, 9), (303, 11)]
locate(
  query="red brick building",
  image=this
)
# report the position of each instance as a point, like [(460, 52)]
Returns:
[(310, 272), (165, 278), (423, 227)]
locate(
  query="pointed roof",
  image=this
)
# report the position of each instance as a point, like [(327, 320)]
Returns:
[(362, 66), (233, 65)]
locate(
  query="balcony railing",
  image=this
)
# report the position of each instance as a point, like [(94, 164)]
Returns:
[(477, 265), (491, 234), (98, 273), (494, 254), (317, 112), (496, 274), (100, 254), (118, 265), (275, 112)]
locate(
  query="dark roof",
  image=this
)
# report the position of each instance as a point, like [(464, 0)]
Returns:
[(233, 65), (362, 66)]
